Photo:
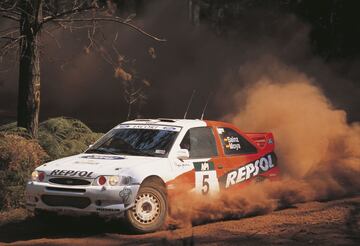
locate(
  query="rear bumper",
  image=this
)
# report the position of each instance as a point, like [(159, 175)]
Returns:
[(80, 200)]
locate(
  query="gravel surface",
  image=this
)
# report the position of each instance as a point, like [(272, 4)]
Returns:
[(315, 223)]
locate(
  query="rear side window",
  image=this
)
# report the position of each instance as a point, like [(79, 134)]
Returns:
[(200, 142), (233, 143)]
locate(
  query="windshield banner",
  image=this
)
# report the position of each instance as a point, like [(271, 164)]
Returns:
[(150, 127)]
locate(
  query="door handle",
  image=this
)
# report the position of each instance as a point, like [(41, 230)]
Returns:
[(220, 166)]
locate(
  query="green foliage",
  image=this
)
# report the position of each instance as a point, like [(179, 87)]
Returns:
[(59, 137), (11, 128), (20, 155), (18, 158), (62, 137)]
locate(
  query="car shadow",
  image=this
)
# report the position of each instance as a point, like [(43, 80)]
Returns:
[(54, 227), (60, 227)]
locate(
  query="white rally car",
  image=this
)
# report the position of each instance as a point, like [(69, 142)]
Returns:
[(134, 170)]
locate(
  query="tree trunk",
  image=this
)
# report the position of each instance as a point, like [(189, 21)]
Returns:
[(29, 70), (194, 11)]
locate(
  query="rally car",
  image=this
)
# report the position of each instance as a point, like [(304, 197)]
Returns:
[(135, 168)]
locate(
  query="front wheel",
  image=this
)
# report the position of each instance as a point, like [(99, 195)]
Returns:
[(149, 211)]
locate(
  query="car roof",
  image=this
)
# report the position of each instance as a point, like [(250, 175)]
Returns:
[(186, 123), (168, 122)]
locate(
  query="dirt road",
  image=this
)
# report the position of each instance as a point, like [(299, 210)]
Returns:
[(314, 223)]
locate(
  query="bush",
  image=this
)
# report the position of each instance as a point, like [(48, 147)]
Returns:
[(12, 129), (59, 137), (18, 158), (20, 155), (62, 137)]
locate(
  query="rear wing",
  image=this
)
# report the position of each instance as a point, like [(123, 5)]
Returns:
[(262, 140)]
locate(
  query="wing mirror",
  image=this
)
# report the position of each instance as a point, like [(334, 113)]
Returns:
[(182, 154)]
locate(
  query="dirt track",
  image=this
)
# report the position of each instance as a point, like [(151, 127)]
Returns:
[(317, 223)]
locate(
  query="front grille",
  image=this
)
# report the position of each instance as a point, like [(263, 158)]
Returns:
[(65, 189), (69, 181), (65, 201)]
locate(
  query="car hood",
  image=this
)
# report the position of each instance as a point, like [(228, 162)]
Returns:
[(93, 165)]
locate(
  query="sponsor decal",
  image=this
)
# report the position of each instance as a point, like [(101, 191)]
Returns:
[(160, 152), (204, 166), (206, 180), (125, 195), (103, 157), (71, 173), (232, 143), (151, 127), (249, 170)]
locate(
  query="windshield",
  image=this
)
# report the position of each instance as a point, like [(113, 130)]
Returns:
[(137, 140)]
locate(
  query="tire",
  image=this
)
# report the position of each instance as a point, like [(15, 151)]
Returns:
[(150, 210)]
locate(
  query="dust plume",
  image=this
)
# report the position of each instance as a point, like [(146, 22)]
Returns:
[(311, 135), (318, 151)]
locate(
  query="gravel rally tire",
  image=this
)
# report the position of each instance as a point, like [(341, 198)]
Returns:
[(149, 211)]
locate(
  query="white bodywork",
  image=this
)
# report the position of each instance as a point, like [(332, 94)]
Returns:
[(106, 199)]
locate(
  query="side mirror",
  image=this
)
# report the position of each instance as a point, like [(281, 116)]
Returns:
[(90, 146), (182, 154)]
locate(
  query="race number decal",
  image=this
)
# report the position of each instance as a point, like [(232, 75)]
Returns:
[(206, 181)]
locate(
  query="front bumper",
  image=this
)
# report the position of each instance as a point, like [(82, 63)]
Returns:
[(80, 200)]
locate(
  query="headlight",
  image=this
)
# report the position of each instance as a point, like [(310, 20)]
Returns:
[(34, 176), (113, 180), (37, 176)]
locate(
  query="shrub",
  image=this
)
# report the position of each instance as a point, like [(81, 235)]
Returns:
[(12, 129), (62, 137), (18, 158), (59, 137), (20, 155)]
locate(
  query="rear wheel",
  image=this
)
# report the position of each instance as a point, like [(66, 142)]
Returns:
[(150, 210)]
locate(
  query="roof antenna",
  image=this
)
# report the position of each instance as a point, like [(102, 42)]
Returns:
[(207, 102), (189, 103)]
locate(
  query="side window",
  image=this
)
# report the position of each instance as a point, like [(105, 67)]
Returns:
[(200, 142), (233, 143)]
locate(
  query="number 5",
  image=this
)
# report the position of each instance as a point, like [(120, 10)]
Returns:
[(205, 184)]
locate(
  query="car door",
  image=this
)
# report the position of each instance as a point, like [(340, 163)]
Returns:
[(238, 152), (205, 159)]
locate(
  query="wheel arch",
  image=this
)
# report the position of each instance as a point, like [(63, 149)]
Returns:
[(153, 179)]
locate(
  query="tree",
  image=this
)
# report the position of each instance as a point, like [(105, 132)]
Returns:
[(34, 17)]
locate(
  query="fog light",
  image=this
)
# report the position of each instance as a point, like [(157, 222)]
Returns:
[(41, 176), (102, 180)]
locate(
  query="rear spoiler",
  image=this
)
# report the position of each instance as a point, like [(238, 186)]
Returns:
[(261, 139)]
